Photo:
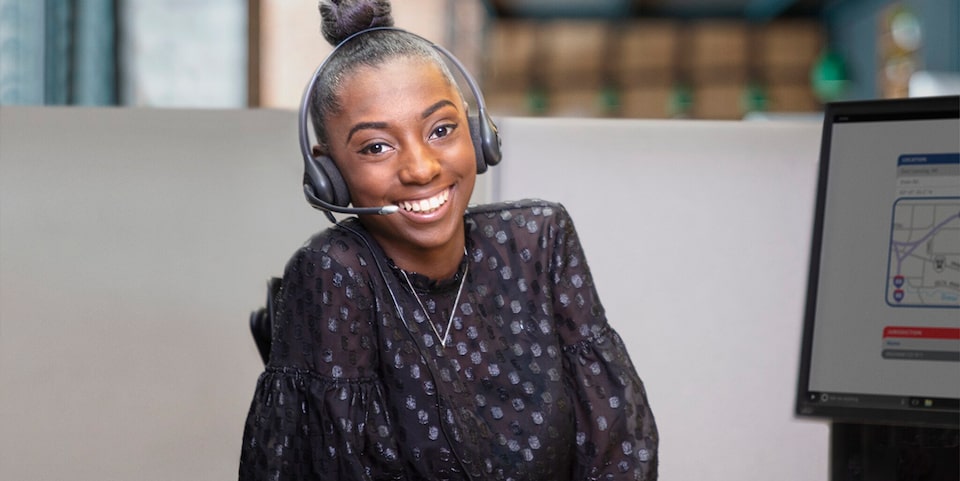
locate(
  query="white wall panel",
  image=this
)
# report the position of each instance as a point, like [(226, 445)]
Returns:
[(134, 243), (697, 235)]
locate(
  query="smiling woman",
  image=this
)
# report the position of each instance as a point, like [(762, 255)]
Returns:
[(424, 339), (404, 141)]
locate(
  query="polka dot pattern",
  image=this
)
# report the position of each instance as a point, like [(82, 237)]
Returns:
[(532, 384)]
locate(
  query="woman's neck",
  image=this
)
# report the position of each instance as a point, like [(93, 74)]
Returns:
[(437, 264)]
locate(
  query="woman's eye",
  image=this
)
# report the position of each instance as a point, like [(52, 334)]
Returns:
[(442, 131), (374, 149)]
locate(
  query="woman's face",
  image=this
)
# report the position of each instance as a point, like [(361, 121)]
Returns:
[(402, 139)]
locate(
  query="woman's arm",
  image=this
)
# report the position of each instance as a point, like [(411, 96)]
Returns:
[(617, 435)]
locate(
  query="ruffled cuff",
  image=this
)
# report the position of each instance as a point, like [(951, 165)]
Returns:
[(302, 426), (617, 435)]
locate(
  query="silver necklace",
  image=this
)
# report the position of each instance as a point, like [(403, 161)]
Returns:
[(453, 310)]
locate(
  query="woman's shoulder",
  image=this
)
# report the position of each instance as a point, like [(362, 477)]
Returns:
[(518, 209), (341, 244), (342, 234), (526, 225)]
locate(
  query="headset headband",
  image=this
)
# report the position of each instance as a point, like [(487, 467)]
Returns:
[(308, 91), (324, 186)]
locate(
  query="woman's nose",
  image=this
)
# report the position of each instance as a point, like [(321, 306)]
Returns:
[(420, 165)]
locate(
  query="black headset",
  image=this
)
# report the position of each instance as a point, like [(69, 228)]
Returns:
[(323, 185)]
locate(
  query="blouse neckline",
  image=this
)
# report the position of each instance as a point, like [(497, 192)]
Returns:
[(422, 283)]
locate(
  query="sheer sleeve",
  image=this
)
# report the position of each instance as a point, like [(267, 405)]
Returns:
[(318, 411), (616, 435)]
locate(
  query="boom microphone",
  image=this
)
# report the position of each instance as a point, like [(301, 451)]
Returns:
[(324, 185), (318, 203)]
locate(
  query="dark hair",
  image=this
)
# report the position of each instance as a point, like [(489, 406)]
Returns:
[(342, 19)]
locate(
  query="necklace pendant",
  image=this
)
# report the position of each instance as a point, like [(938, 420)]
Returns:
[(453, 310)]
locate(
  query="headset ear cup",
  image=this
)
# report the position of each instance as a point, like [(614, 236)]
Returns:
[(341, 195), (489, 139), (322, 180), (477, 139)]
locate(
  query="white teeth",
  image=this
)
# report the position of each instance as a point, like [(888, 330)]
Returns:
[(426, 205)]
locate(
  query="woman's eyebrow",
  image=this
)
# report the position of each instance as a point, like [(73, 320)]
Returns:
[(437, 106), (382, 125), (365, 125)]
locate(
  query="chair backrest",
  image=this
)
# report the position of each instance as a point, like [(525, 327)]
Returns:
[(261, 320)]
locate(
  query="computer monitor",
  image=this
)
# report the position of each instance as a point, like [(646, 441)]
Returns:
[(881, 336)]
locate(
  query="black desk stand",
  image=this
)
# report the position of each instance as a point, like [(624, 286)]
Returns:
[(866, 452)]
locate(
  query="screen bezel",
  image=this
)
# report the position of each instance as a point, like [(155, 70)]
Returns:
[(806, 400)]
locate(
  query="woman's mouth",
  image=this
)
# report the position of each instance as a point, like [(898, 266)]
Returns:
[(425, 206)]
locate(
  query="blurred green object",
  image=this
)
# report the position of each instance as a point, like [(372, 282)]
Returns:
[(754, 98), (610, 100), (829, 77), (681, 101), (537, 101)]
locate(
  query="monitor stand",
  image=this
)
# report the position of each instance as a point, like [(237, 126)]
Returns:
[(872, 452)]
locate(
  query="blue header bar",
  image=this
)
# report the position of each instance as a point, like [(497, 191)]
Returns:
[(928, 159)]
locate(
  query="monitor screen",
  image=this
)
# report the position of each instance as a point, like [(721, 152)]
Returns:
[(881, 339)]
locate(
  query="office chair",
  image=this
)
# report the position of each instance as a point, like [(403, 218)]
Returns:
[(261, 320)]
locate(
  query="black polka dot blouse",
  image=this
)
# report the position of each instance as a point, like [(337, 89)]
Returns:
[(531, 384)]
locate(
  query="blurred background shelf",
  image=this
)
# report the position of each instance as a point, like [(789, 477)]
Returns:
[(709, 59)]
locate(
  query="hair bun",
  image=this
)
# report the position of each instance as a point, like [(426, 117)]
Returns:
[(343, 18)]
